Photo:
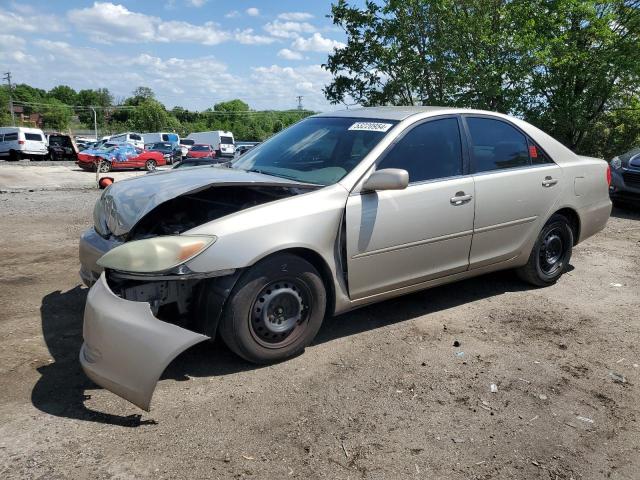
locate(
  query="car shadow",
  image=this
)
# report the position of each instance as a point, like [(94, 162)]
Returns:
[(62, 387), (626, 212)]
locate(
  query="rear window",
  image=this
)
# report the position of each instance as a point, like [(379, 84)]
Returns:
[(133, 136), (187, 141), (33, 136), (226, 140), (11, 136)]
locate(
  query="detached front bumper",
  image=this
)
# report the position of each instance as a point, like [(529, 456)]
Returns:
[(125, 347)]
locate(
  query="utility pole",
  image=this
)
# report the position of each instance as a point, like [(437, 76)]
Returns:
[(299, 97), (95, 122), (7, 77)]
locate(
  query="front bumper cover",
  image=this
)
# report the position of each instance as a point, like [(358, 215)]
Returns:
[(125, 347)]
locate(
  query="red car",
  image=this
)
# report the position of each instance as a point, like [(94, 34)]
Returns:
[(120, 156), (200, 150)]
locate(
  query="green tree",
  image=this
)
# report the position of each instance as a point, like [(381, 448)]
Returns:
[(561, 64), (56, 115), (64, 94), (149, 116)]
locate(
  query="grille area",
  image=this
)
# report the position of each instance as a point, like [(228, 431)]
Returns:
[(632, 179)]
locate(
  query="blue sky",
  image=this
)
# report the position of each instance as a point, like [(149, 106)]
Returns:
[(192, 53)]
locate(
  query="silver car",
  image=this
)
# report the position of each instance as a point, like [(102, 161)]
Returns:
[(340, 210)]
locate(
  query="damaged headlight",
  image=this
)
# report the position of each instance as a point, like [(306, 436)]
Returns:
[(154, 255)]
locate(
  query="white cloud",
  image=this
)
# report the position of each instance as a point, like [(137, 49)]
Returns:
[(232, 14), (316, 43), (295, 16), (253, 12), (288, 29), (196, 3), (290, 54), (106, 22), (247, 37), (30, 22), (50, 63)]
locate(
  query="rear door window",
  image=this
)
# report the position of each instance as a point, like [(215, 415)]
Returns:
[(226, 140), (10, 137), (496, 145), (33, 136)]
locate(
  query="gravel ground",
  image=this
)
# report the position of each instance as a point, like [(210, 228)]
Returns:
[(381, 394)]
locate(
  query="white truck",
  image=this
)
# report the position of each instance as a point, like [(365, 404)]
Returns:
[(221, 141), (159, 137), (22, 142)]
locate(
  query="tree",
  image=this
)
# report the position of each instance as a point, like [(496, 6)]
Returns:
[(56, 115), (149, 116), (100, 97), (235, 105), (64, 94), (560, 64)]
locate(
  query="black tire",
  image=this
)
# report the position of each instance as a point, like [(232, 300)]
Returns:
[(275, 310), (150, 165), (14, 156), (550, 254)]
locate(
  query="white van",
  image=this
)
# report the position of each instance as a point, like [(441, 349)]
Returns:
[(21, 142), (221, 141), (159, 137), (134, 139)]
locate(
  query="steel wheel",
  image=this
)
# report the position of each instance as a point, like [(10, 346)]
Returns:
[(552, 249), (105, 167), (279, 313), (150, 165)]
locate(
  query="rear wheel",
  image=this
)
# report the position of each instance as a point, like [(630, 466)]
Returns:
[(150, 165), (104, 166), (14, 156), (550, 254), (275, 309)]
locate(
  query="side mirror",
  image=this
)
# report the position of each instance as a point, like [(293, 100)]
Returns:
[(386, 179)]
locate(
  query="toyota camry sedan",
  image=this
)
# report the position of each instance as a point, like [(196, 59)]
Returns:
[(340, 210)]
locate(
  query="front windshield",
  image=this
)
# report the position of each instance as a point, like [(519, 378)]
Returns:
[(319, 150), (200, 148)]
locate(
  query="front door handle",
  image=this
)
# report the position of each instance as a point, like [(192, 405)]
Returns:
[(460, 198), (549, 182)]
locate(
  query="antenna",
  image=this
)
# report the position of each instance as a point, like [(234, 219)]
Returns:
[(299, 97)]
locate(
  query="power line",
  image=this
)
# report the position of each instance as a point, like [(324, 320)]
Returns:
[(7, 77)]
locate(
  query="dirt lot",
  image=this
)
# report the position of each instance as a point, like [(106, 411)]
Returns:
[(382, 394)]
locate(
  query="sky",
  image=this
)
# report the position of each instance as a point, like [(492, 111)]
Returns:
[(192, 53)]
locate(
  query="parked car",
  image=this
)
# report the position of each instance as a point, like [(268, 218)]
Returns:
[(61, 147), (198, 162), (221, 141), (201, 151), (170, 151), (185, 145), (17, 143), (119, 156), (242, 149), (134, 139), (625, 178), (340, 210)]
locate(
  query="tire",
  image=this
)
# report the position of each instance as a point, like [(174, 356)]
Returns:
[(275, 310), (550, 254), (105, 166), (14, 156), (150, 165)]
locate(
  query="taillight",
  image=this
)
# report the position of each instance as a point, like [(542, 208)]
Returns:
[(608, 175), (20, 142)]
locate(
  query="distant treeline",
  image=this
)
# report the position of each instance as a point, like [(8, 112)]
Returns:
[(62, 108)]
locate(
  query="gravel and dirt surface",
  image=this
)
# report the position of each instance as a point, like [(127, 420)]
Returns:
[(381, 394)]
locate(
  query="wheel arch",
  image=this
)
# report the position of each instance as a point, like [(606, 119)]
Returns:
[(574, 221)]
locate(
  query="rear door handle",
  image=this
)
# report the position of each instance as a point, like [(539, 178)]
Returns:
[(549, 182), (460, 198)]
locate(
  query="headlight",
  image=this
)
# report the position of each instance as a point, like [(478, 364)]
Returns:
[(154, 255), (616, 163)]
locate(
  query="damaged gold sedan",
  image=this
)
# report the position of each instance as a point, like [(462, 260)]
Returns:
[(338, 211)]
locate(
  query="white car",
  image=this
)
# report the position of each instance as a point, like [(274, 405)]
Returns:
[(21, 142)]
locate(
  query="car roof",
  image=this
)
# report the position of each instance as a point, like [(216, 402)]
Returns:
[(382, 113)]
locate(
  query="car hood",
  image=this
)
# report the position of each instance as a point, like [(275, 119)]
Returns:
[(125, 202)]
